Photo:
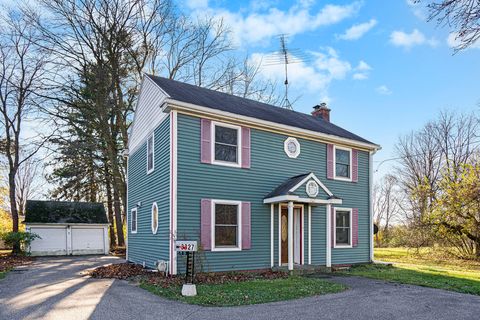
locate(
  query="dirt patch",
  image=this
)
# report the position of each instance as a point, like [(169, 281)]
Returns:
[(8, 262), (118, 271), (137, 272)]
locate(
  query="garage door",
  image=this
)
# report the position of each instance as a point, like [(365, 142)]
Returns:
[(87, 241), (52, 241)]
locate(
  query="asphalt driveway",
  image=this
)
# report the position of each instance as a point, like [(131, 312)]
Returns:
[(56, 288)]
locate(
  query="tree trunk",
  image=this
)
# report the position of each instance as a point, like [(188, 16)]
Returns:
[(118, 217), (108, 184), (13, 208)]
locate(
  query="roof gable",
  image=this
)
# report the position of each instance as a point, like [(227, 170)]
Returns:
[(292, 186), (64, 212), (192, 94)]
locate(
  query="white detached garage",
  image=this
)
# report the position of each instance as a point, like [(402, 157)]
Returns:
[(67, 228)]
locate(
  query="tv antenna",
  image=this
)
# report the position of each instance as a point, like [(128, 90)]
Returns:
[(284, 56)]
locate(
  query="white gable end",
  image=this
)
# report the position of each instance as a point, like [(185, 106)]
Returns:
[(148, 114)]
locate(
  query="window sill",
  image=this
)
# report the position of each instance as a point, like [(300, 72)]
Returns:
[(343, 179), (226, 164), (150, 171), (342, 246), (133, 232), (225, 249)]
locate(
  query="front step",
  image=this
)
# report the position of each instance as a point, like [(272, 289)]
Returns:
[(303, 269)]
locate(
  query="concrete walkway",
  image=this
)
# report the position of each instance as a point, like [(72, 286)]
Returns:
[(55, 288)]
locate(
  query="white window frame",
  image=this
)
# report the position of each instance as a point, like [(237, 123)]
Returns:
[(335, 228), (153, 152), (285, 147), (335, 163), (154, 231), (239, 224), (136, 220), (238, 164)]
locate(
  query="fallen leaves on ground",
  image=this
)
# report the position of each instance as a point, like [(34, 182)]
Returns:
[(8, 261), (129, 270)]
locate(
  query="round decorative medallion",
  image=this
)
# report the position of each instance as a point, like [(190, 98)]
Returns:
[(311, 188), (292, 147)]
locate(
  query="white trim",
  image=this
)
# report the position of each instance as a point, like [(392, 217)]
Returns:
[(279, 235), (349, 179), (61, 225), (239, 225), (272, 216), (295, 198), (127, 202), (190, 108), (175, 176), (154, 205), (290, 235), (328, 249), (238, 164), (285, 147), (370, 216), (309, 234), (136, 221), (314, 177), (302, 235), (335, 245), (152, 135)]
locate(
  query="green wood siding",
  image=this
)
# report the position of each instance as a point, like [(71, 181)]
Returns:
[(270, 166), (145, 247)]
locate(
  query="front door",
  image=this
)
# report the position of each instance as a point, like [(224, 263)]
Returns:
[(297, 235)]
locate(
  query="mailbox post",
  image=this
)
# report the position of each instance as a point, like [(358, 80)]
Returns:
[(189, 248)]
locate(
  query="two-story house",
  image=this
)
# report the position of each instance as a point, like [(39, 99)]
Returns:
[(256, 185)]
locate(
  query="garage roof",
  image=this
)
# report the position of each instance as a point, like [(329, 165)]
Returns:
[(37, 211)]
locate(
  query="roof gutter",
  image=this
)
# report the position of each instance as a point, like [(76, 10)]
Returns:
[(196, 110)]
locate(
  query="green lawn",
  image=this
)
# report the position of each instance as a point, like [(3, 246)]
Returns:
[(3, 274), (249, 292), (426, 268)]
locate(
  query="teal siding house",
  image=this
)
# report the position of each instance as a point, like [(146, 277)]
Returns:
[(256, 185)]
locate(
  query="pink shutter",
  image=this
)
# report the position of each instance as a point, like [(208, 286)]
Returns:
[(246, 226), (245, 147), (205, 141), (206, 224), (354, 165), (354, 227), (332, 227), (330, 163)]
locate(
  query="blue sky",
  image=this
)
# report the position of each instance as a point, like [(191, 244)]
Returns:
[(383, 69)]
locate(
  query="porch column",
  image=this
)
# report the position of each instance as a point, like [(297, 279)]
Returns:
[(329, 236), (290, 235)]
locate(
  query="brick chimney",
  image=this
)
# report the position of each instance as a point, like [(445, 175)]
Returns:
[(321, 111)]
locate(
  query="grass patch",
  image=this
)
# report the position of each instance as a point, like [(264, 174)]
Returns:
[(249, 292), (424, 268), (3, 274)]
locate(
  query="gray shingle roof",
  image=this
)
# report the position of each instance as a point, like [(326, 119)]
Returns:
[(283, 189), (229, 103), (64, 212)]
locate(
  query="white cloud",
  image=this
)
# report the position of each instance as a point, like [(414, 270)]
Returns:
[(453, 41), (362, 71), (315, 77), (254, 27), (383, 90), (357, 31), (409, 40), (360, 76), (418, 9), (197, 4)]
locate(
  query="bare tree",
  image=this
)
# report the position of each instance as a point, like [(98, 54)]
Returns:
[(22, 70), (462, 15), (386, 205), (26, 182)]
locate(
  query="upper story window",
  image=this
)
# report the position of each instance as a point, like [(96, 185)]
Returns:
[(226, 221), (226, 148), (150, 154), (343, 163), (343, 227)]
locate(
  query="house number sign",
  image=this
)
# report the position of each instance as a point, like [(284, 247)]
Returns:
[(186, 246)]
